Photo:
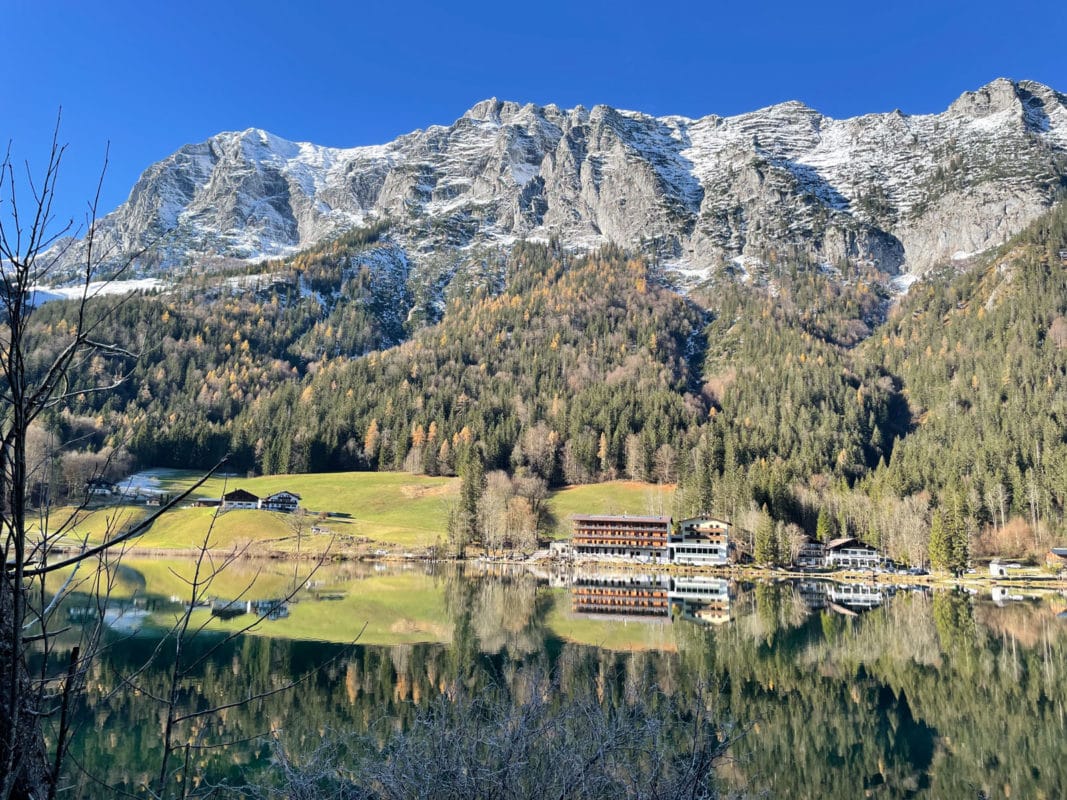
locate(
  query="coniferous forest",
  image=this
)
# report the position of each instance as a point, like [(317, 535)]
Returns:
[(803, 399)]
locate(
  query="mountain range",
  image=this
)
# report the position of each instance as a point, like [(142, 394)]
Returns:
[(898, 192)]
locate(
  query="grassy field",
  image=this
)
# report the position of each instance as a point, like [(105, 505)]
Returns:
[(615, 497), (390, 508), (393, 510)]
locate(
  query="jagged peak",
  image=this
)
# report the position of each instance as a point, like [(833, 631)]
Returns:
[(493, 110), (998, 95)]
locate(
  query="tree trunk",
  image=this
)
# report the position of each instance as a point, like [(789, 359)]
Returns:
[(24, 772)]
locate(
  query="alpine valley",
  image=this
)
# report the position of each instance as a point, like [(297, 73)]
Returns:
[(779, 311)]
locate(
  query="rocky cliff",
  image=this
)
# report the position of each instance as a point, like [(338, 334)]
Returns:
[(902, 192)]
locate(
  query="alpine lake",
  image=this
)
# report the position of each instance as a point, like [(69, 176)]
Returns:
[(824, 690)]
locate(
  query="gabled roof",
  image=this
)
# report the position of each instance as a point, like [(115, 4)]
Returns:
[(240, 496), (845, 541), (283, 491)]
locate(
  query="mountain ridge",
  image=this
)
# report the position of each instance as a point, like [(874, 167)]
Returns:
[(901, 192)]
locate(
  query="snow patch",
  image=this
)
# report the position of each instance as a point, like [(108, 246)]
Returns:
[(901, 284)]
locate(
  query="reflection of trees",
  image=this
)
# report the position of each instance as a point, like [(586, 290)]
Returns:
[(910, 697)]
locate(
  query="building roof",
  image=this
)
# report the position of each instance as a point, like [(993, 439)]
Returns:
[(619, 518), (718, 520), (846, 541), (240, 496), (283, 491)]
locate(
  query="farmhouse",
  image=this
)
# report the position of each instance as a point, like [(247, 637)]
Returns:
[(281, 501), (851, 553), (700, 541), (239, 498)]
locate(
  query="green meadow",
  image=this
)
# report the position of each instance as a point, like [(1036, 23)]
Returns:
[(392, 510), (614, 497)]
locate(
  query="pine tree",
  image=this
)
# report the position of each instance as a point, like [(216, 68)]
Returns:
[(940, 551), (766, 546), (824, 531)]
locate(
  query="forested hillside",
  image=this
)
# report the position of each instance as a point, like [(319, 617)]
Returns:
[(800, 390)]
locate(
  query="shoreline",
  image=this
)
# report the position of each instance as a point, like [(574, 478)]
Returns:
[(1051, 583)]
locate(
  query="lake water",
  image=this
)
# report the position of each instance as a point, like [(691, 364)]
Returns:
[(840, 691)]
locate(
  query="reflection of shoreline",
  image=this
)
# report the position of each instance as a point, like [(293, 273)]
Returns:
[(542, 561)]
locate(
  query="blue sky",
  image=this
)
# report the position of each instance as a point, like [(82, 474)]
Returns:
[(150, 77)]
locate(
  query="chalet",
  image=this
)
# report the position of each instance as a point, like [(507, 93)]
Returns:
[(850, 553), (626, 536), (281, 501), (700, 541), (239, 498)]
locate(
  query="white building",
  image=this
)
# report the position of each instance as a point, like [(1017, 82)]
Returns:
[(700, 541), (281, 501), (851, 553)]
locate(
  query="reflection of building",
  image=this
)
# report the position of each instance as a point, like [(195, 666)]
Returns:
[(701, 541), (621, 595), (851, 553), (813, 593), (855, 596), (701, 599), (652, 597), (633, 537)]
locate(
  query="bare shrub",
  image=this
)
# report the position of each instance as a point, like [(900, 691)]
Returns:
[(532, 742)]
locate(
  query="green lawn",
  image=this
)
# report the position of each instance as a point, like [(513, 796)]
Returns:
[(615, 497)]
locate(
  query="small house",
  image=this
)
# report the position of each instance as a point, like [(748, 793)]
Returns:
[(281, 501), (98, 487), (850, 553), (1056, 558), (239, 498)]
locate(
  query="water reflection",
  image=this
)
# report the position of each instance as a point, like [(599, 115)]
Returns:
[(847, 690)]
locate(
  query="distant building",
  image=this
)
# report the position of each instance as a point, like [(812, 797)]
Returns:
[(700, 541), (98, 487), (633, 537), (1056, 558), (281, 501), (239, 498), (998, 569), (811, 555), (850, 553)]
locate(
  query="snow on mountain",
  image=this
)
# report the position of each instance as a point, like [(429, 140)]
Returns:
[(902, 192)]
